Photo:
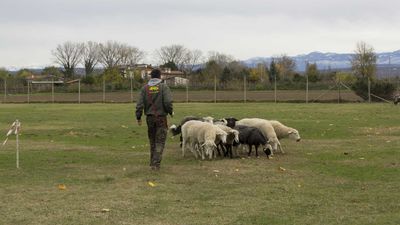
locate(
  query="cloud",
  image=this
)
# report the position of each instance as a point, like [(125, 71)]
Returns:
[(31, 29)]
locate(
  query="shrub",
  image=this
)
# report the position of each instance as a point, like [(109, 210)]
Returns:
[(88, 80), (381, 88)]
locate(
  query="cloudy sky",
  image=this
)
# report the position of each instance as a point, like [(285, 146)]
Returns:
[(30, 29)]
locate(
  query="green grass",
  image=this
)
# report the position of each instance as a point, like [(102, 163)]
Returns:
[(346, 169)]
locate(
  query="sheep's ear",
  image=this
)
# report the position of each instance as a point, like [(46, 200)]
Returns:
[(290, 132)]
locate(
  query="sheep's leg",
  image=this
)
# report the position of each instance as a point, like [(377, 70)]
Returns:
[(256, 147), (280, 148), (249, 151), (202, 153), (195, 150), (229, 150), (183, 148), (219, 150)]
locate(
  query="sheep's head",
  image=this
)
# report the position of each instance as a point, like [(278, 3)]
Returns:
[(209, 148), (294, 135), (268, 150), (220, 121), (220, 134), (273, 142), (208, 119), (231, 122)]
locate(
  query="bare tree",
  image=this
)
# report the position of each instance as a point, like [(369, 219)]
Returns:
[(364, 61), (131, 55), (111, 54), (220, 58), (68, 56), (171, 54), (191, 59), (90, 56)]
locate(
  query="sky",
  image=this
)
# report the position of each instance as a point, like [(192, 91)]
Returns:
[(31, 29)]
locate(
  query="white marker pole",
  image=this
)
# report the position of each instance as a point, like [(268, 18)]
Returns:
[(17, 139), (16, 132), (14, 129)]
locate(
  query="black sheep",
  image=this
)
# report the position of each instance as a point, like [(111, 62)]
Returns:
[(252, 136), (231, 122)]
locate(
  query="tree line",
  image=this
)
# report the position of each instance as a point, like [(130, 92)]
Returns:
[(202, 68)]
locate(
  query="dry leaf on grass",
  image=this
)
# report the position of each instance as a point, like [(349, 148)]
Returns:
[(62, 187), (151, 184)]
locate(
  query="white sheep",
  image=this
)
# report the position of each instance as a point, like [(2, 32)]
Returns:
[(266, 128), (283, 131), (201, 138)]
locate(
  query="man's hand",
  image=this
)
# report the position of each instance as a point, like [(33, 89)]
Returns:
[(139, 122)]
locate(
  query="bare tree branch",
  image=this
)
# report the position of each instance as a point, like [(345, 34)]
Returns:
[(68, 56)]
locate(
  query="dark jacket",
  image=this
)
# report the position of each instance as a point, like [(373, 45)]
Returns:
[(155, 99)]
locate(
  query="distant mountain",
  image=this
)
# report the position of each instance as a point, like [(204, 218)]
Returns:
[(326, 61)]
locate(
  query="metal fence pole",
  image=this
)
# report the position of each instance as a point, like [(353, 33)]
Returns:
[(339, 94), (131, 88), (52, 90), (29, 92), (79, 91), (244, 88), (5, 90), (306, 87), (369, 90), (275, 87), (187, 91), (215, 88), (104, 89)]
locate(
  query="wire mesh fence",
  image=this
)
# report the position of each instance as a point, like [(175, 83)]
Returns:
[(23, 91)]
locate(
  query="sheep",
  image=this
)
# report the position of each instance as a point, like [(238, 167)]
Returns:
[(230, 121), (220, 121), (202, 136), (283, 131), (177, 129), (396, 99), (253, 136), (232, 136), (266, 128)]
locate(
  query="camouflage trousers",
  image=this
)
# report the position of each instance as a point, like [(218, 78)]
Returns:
[(157, 131)]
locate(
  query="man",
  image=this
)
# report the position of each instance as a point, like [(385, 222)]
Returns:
[(156, 101)]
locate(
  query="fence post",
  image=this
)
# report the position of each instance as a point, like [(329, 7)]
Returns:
[(244, 88), (52, 90), (275, 87), (104, 88), (339, 84), (215, 88), (187, 90), (130, 75), (369, 90), (29, 93), (5, 89), (79, 91), (306, 87)]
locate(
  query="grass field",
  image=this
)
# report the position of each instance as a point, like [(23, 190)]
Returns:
[(346, 169)]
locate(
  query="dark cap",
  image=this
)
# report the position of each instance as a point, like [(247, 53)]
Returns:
[(155, 73)]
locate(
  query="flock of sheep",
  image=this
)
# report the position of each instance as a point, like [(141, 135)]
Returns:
[(207, 137)]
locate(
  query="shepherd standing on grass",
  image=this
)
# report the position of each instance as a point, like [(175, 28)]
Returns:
[(156, 101)]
